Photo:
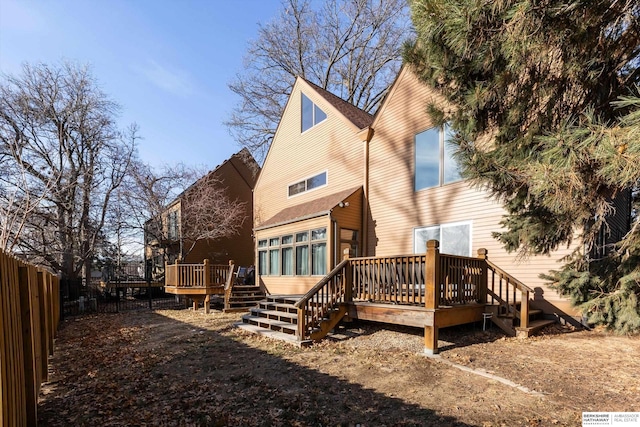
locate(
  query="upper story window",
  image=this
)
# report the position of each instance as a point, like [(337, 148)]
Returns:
[(172, 225), (311, 113), (315, 181), (434, 160)]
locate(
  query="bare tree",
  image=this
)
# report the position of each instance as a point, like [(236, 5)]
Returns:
[(208, 213), (202, 208), (350, 47), (58, 134), (18, 201)]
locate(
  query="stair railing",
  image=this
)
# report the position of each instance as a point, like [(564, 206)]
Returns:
[(503, 289), (326, 295)]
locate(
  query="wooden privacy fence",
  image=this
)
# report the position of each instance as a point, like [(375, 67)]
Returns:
[(29, 318)]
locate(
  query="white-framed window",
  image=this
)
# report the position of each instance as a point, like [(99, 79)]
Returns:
[(434, 161), (308, 184), (454, 238), (311, 113)]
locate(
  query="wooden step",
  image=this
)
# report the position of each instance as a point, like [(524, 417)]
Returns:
[(283, 299), (273, 324), (534, 326), (277, 306), (243, 297), (275, 314), (288, 338)]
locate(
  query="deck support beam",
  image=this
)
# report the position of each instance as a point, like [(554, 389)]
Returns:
[(431, 296)]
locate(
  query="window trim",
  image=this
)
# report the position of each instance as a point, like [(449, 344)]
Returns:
[(265, 247), (304, 180), (446, 224), (313, 114), (442, 151)]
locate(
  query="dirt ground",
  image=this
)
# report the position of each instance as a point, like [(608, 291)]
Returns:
[(185, 368)]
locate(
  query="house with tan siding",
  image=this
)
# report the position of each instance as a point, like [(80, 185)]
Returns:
[(237, 176), (336, 177), (415, 194), (308, 198)]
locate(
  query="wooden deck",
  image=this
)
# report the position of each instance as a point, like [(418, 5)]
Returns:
[(200, 281), (429, 290)]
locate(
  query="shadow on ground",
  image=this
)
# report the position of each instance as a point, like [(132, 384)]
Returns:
[(152, 370)]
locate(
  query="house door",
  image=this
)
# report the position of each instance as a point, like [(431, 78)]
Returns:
[(349, 240)]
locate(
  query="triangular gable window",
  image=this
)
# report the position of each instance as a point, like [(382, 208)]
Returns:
[(311, 114)]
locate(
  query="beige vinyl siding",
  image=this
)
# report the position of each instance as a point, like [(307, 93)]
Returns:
[(397, 209), (350, 216), (331, 146), (292, 285)]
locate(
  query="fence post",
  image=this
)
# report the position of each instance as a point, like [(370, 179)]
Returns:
[(432, 295), (482, 292), (29, 361)]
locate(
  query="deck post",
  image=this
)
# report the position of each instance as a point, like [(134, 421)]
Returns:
[(431, 295), (177, 273), (524, 309), (347, 280), (205, 273), (482, 292)]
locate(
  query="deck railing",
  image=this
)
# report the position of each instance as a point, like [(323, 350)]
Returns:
[(432, 280), (397, 279), (324, 296), (462, 280), (197, 275)]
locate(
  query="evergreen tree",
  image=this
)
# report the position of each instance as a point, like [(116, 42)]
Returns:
[(542, 99)]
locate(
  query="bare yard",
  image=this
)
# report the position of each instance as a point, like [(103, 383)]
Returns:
[(180, 368)]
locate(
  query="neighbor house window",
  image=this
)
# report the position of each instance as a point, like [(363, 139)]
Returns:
[(311, 114), (454, 238), (434, 161), (308, 184), (172, 225)]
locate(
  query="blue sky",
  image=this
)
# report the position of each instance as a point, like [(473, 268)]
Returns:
[(167, 63)]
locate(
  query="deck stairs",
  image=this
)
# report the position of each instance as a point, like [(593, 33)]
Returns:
[(277, 317), (509, 320), (243, 297)]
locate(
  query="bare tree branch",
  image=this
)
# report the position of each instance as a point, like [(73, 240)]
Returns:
[(349, 47)]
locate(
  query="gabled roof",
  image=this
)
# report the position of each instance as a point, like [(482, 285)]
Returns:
[(311, 209), (249, 172), (358, 117)]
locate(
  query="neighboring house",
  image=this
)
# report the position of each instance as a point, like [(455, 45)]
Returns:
[(308, 198), (337, 178), (238, 176)]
